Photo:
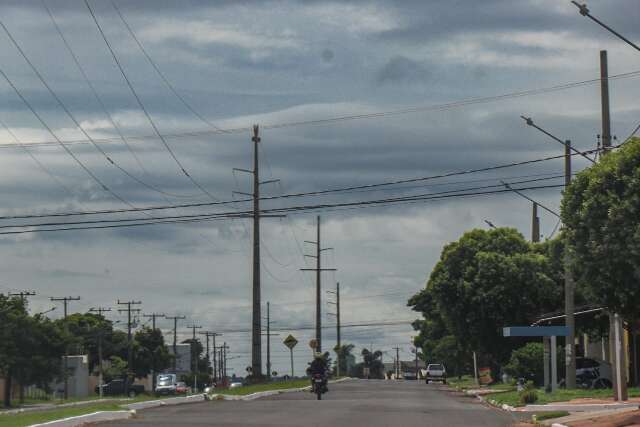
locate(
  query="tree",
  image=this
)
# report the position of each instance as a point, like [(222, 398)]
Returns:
[(344, 356), (483, 282), (600, 211), (31, 347), (371, 360), (150, 352)]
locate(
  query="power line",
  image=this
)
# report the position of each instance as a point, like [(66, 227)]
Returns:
[(143, 108), (317, 122), (229, 215), (309, 193)]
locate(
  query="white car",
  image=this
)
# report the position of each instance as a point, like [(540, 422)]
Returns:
[(436, 372), (235, 384)]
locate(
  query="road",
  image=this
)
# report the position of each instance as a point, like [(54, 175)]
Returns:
[(357, 403)]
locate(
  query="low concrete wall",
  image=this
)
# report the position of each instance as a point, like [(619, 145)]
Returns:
[(89, 418)]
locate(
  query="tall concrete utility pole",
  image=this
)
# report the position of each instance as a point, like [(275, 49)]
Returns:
[(256, 323), (338, 342), (268, 342), (398, 367), (318, 271), (194, 356), (65, 364), (129, 310), (535, 224), (604, 99), (569, 292), (212, 335), (175, 338)]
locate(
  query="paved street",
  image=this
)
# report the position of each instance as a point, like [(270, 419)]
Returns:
[(352, 403)]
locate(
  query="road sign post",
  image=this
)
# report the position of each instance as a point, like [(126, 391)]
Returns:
[(291, 342)]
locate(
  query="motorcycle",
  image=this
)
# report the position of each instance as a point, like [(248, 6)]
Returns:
[(318, 385)]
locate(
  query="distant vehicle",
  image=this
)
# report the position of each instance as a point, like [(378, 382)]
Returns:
[(235, 384), (592, 373), (436, 372), (116, 387), (166, 384), (182, 388)]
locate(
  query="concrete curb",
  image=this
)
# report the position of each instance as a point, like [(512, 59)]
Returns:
[(164, 402), (88, 418), (48, 407), (267, 393)]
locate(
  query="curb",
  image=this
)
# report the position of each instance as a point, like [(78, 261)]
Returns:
[(51, 406), (88, 418), (165, 402), (267, 393)]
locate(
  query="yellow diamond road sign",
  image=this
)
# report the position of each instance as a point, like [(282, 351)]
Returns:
[(290, 341)]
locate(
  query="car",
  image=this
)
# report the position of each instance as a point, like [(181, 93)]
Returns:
[(166, 384), (182, 388), (235, 384), (436, 372), (593, 373), (117, 387)]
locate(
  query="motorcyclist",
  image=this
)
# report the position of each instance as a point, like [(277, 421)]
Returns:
[(318, 366)]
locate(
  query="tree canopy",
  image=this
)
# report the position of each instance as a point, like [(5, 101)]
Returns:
[(484, 281), (600, 210)]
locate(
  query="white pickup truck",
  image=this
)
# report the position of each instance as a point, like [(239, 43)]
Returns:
[(436, 372)]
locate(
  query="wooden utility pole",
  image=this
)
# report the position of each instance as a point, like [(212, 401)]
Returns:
[(100, 311), (318, 269), (65, 364), (175, 338), (194, 357), (153, 317), (23, 295), (129, 310)]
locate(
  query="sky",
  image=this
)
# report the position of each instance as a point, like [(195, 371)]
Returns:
[(226, 65)]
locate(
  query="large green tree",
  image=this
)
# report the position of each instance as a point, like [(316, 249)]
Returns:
[(600, 210), (484, 281)]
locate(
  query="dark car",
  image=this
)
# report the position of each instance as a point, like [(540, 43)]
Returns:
[(117, 387)]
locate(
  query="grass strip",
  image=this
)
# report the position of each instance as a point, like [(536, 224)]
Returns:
[(512, 398)]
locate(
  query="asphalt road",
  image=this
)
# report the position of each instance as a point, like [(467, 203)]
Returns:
[(357, 403)]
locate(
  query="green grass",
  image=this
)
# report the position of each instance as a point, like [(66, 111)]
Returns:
[(26, 419), (550, 415), (280, 385), (512, 398), (467, 382), (35, 417)]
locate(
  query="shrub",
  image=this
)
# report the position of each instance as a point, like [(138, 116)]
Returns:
[(528, 396)]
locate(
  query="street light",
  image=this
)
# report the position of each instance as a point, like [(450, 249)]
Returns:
[(45, 312), (584, 11)]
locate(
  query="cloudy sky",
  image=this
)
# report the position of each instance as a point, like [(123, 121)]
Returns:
[(236, 63)]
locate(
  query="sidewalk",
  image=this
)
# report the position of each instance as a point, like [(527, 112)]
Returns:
[(615, 418)]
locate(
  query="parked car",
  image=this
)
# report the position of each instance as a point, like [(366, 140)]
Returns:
[(235, 384), (166, 384), (117, 387), (436, 372), (592, 373), (182, 388)]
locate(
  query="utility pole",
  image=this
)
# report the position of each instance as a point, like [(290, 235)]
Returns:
[(569, 292), (153, 317), (397, 349), (212, 335), (416, 347), (535, 224), (129, 310), (194, 357), (604, 99), (268, 342), (318, 271), (337, 303), (65, 367), (224, 349), (175, 337), (100, 311), (23, 295), (256, 325)]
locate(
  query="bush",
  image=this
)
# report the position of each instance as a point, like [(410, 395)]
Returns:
[(528, 396), (527, 362)]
